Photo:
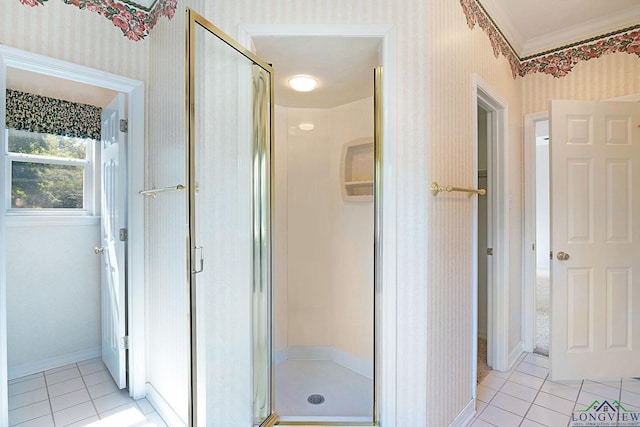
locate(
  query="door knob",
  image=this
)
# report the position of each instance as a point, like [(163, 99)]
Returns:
[(562, 256), (98, 250)]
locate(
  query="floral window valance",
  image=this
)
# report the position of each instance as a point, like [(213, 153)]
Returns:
[(135, 20), (37, 113)]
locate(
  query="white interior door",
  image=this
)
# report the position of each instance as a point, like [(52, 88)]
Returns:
[(595, 210), (113, 157)]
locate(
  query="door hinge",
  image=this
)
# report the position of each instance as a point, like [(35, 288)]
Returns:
[(124, 234), (124, 343), (550, 254), (124, 125), (490, 251)]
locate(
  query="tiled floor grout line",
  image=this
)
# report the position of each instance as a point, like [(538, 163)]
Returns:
[(524, 417), (89, 393), (619, 400), (575, 402), (87, 389), (46, 387), (499, 390), (477, 417)]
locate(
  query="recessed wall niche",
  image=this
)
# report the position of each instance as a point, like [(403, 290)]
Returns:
[(357, 170)]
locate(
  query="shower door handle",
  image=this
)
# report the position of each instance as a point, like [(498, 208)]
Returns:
[(194, 254)]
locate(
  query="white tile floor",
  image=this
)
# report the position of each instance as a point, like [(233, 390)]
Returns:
[(80, 394), (348, 395), (526, 397)]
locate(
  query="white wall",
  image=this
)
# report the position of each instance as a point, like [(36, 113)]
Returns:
[(280, 232), (309, 213), (352, 241), (329, 298), (53, 295)]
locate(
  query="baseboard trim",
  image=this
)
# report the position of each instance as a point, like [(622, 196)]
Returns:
[(163, 408), (465, 417), (515, 354), (52, 362), (355, 363), (310, 352)]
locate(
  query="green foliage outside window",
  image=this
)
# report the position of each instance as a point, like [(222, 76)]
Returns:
[(41, 184)]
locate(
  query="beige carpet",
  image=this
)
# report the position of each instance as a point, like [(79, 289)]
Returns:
[(483, 368)]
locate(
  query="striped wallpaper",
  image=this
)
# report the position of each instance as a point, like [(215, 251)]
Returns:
[(455, 53), (167, 221), (74, 35)]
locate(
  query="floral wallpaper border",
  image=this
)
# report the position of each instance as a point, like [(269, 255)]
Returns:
[(134, 21), (476, 14), (35, 113), (557, 62)]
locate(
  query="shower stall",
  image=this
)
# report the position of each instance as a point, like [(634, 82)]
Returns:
[(281, 243), (324, 262)]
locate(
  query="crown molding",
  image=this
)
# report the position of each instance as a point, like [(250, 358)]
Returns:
[(577, 33), (501, 19)]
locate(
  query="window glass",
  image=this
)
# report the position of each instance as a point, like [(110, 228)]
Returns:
[(45, 144), (46, 186), (48, 172)]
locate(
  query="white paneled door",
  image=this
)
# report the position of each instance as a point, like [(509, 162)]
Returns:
[(113, 157), (595, 215)]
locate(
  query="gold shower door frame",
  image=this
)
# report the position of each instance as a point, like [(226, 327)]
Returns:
[(264, 414)]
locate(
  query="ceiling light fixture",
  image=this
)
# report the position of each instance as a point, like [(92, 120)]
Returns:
[(306, 126), (303, 83)]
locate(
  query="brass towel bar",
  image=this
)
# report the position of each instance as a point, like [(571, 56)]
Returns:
[(154, 192), (436, 189)]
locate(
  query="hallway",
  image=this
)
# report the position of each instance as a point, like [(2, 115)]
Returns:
[(524, 396)]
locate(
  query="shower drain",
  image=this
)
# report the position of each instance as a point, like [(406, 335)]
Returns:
[(315, 399)]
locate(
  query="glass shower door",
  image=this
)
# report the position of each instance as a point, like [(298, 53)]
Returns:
[(229, 114)]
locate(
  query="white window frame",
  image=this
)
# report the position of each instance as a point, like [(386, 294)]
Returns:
[(90, 203)]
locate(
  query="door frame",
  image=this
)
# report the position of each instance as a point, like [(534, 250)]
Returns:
[(134, 89), (529, 221), (498, 355), (385, 325)]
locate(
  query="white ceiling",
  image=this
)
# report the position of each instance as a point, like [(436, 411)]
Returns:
[(534, 26), (343, 66), (53, 87)]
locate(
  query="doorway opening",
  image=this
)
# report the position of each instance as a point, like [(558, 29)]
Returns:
[(484, 239), (324, 284), (52, 255), (543, 233), (491, 219)]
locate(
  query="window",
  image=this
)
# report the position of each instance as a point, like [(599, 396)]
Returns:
[(49, 173), (49, 155)]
